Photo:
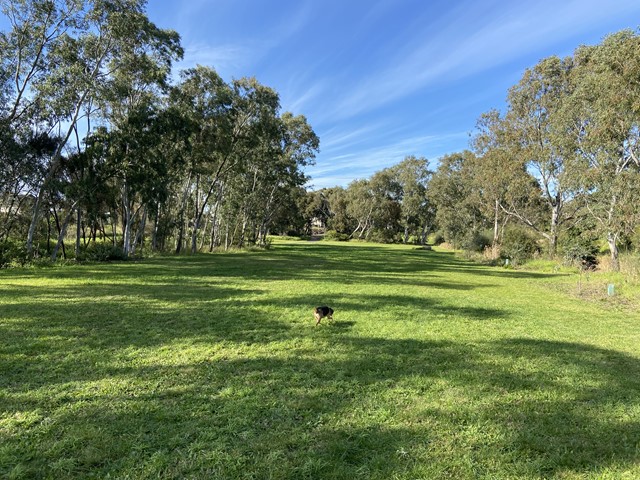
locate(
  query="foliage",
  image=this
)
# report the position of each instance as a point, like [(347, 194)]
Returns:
[(102, 252), (518, 245), (458, 216), (477, 241), (13, 253), (579, 247), (571, 125), (203, 161), (335, 236)]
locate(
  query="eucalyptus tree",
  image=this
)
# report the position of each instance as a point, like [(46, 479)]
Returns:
[(450, 190), (290, 217), (412, 176), (16, 175), (360, 207), (386, 196), (37, 28), (604, 119), (131, 100), (338, 205), (297, 148), (503, 187), (318, 208), (62, 53), (225, 123), (534, 103), (374, 206)]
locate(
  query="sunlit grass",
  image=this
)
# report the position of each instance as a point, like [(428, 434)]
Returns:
[(210, 367)]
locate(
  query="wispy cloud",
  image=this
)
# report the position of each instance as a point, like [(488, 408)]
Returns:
[(338, 138), (223, 58), (242, 51), (296, 102), (363, 163), (463, 46)]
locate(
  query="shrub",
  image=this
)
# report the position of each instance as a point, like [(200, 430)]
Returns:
[(383, 236), (14, 254), (436, 238), (333, 235), (476, 242), (518, 245), (101, 252), (580, 253)]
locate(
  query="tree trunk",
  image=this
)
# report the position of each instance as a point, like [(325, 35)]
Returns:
[(496, 224), (154, 235), (553, 231), (612, 240), (35, 215), (196, 217), (78, 223), (183, 206), (48, 233), (139, 240), (62, 233), (214, 224), (126, 221), (424, 234)]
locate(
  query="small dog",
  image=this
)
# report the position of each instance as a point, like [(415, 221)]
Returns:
[(321, 312)]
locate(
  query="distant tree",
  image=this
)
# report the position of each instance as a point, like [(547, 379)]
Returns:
[(450, 190), (387, 212), (360, 207), (318, 207), (534, 103), (338, 204), (503, 187), (412, 176), (603, 116)]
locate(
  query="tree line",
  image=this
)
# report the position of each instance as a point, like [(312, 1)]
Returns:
[(96, 133), (560, 165)]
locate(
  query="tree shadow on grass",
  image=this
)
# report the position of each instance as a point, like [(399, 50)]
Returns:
[(320, 262), (184, 375), (349, 407)]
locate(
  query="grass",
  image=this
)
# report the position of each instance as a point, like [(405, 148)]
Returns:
[(209, 367)]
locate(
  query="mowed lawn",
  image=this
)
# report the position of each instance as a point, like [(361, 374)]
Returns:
[(210, 367)]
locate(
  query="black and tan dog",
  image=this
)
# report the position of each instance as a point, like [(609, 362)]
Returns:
[(321, 312)]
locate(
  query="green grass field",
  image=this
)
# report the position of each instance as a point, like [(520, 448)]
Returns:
[(210, 367)]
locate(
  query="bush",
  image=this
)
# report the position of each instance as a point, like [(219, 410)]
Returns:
[(518, 245), (580, 247), (101, 252), (336, 236), (383, 236), (476, 242), (580, 253), (10, 252), (436, 238)]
